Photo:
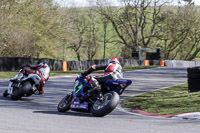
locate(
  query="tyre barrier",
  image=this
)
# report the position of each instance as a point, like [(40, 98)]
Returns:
[(193, 70), (193, 74)]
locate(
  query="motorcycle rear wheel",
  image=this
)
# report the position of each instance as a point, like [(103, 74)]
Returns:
[(102, 108), (64, 104)]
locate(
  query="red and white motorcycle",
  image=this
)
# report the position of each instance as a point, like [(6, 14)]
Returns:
[(26, 85)]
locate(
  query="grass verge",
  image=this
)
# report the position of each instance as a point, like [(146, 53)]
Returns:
[(7, 75), (173, 100)]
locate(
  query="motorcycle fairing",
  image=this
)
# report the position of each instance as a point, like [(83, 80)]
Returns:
[(79, 86), (76, 105), (35, 78), (78, 89), (118, 85)]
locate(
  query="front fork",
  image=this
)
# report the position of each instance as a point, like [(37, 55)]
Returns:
[(10, 88), (16, 78)]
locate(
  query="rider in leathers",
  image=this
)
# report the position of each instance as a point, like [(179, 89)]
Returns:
[(42, 70), (113, 70)]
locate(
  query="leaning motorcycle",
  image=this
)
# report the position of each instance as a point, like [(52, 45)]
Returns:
[(98, 103), (23, 86)]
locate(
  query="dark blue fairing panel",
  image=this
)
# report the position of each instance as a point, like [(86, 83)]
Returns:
[(118, 85), (76, 105)]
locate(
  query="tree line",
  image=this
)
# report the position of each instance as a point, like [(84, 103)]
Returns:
[(43, 29)]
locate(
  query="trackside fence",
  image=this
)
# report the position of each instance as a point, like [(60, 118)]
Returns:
[(13, 64)]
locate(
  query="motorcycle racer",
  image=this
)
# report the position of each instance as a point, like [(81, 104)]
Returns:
[(112, 70), (42, 70)]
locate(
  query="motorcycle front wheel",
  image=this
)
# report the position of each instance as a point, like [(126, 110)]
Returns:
[(21, 91), (64, 104), (107, 105)]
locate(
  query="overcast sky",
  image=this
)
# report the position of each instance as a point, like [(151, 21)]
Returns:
[(82, 3)]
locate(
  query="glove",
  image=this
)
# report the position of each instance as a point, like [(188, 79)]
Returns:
[(21, 67)]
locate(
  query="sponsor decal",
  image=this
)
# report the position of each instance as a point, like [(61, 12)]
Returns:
[(115, 83), (79, 106), (123, 85)]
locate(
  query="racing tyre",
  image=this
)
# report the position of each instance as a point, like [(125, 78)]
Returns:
[(107, 105), (21, 91), (64, 104)]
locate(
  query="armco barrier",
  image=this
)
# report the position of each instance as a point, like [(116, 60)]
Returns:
[(181, 63), (83, 65), (13, 64), (197, 63)]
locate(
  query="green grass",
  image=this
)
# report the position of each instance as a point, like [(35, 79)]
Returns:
[(173, 100), (7, 75)]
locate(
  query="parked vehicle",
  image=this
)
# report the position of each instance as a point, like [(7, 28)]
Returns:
[(98, 103)]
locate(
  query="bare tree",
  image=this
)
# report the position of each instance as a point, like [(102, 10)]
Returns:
[(135, 22), (15, 40), (92, 38), (179, 34), (193, 48), (108, 37), (25, 21), (78, 27)]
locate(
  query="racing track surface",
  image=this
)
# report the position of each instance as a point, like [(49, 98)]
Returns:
[(38, 114)]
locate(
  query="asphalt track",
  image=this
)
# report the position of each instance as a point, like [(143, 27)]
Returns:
[(38, 114)]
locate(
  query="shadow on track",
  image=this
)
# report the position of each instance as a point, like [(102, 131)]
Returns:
[(69, 113)]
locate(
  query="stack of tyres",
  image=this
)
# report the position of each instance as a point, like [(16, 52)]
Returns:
[(193, 79)]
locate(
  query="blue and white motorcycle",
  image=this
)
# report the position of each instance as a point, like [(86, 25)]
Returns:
[(98, 103)]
